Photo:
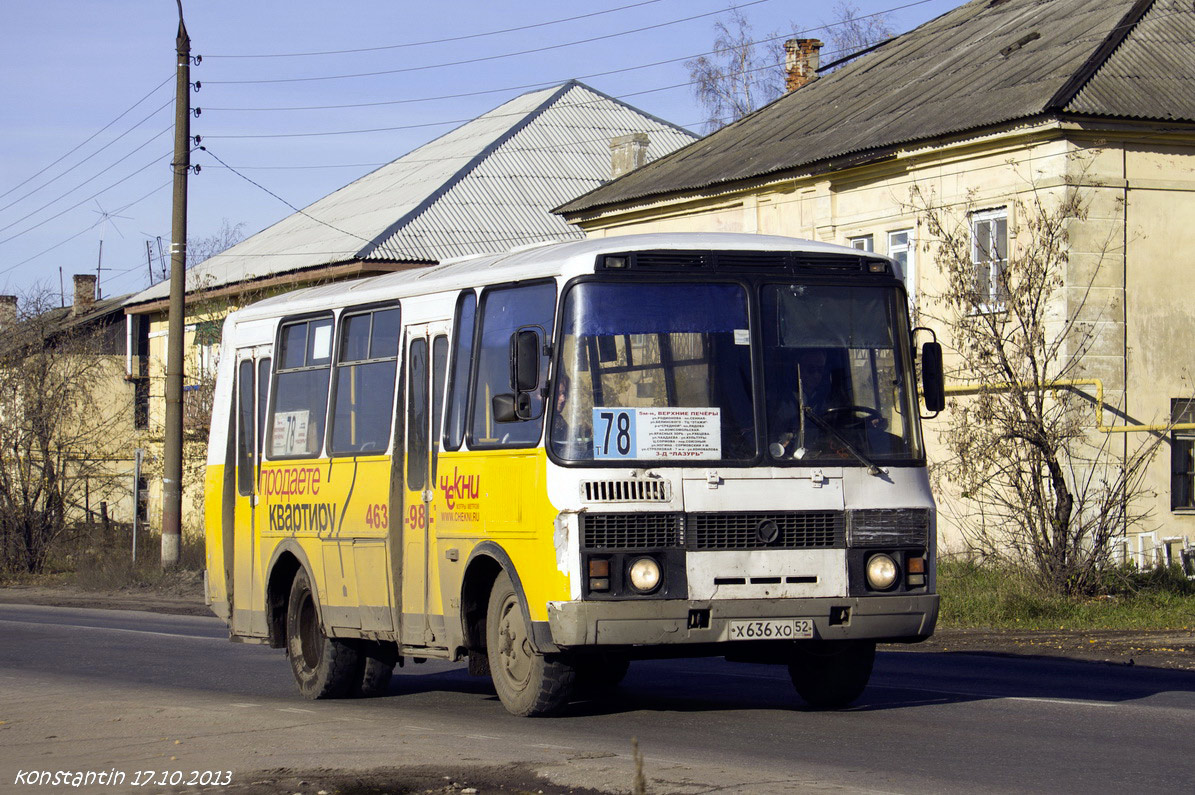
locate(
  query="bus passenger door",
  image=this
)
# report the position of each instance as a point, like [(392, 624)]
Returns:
[(252, 385), (427, 360)]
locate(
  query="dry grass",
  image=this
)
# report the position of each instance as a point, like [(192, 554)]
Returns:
[(1003, 597)]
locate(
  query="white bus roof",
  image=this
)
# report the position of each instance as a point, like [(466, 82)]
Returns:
[(561, 259)]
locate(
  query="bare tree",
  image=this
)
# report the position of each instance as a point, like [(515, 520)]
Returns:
[(850, 32), (745, 71), (1038, 482), (64, 412), (203, 248), (740, 75)]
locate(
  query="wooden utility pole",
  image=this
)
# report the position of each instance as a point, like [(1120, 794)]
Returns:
[(172, 475)]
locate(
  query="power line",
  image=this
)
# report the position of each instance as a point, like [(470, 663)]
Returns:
[(804, 32), (442, 41), (100, 192), (85, 230), (89, 139), (279, 198), (50, 203), (84, 160), (491, 115), (484, 58)]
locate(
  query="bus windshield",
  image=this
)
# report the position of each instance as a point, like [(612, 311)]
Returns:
[(662, 372), (837, 380)]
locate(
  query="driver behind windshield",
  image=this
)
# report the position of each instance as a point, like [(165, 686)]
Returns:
[(831, 421), (811, 384)]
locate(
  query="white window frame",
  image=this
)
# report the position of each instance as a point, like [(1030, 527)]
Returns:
[(862, 242), (909, 249), (989, 300)]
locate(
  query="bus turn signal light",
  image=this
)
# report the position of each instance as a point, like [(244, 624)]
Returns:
[(915, 571)]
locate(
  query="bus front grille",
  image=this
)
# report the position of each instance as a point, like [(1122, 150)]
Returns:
[(630, 530), (778, 530), (714, 531)]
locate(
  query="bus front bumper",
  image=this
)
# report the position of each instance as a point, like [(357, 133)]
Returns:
[(907, 618)]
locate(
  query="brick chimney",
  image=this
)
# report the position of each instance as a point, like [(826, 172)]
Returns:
[(8, 311), (84, 293), (801, 57), (627, 153)]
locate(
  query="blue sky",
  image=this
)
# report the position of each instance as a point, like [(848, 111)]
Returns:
[(73, 67)]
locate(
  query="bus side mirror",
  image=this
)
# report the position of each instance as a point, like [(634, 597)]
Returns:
[(933, 381), (525, 350), (503, 407), (512, 408)]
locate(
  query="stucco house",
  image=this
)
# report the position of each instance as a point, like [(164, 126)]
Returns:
[(983, 108), (486, 186)]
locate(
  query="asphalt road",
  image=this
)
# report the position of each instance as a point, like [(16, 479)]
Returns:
[(96, 690)]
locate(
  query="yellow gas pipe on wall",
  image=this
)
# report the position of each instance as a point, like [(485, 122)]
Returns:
[(974, 389)]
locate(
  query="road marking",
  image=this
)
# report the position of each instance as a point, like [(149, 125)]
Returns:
[(918, 689), (296, 709), (245, 705), (554, 747), (113, 629), (480, 737), (992, 696)]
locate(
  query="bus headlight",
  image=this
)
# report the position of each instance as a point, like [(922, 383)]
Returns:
[(645, 575), (881, 571)]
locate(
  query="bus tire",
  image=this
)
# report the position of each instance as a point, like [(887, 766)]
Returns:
[(378, 661), (528, 683), (598, 672), (323, 667), (831, 674)]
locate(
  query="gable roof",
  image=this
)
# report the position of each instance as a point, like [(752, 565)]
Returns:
[(985, 63), (486, 186)]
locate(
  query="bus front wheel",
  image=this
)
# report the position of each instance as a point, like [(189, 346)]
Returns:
[(528, 683), (323, 667), (831, 674)]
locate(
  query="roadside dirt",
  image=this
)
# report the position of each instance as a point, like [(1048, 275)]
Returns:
[(400, 781), (1154, 648)]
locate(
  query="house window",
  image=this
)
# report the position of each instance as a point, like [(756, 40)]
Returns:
[(862, 243), (989, 255), (902, 249), (207, 340), (1182, 457)]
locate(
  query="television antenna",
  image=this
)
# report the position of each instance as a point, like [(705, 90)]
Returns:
[(106, 220)]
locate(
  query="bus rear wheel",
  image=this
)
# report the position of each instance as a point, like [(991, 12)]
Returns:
[(323, 667), (528, 683), (831, 674)]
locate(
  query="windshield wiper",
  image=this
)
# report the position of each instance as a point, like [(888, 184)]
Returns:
[(872, 469)]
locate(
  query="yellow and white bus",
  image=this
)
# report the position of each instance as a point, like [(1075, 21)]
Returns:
[(557, 460)]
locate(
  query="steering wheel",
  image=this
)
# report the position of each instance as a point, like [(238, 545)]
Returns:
[(854, 417)]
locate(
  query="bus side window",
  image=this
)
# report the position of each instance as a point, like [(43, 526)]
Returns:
[(504, 310), (263, 388), (245, 427), (296, 427), (417, 416), (462, 359), (439, 372), (366, 364)]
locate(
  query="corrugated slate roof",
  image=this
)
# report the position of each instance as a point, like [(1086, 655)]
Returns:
[(1151, 74), (985, 63), (486, 186)]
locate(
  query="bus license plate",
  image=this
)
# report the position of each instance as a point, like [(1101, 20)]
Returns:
[(772, 629)]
